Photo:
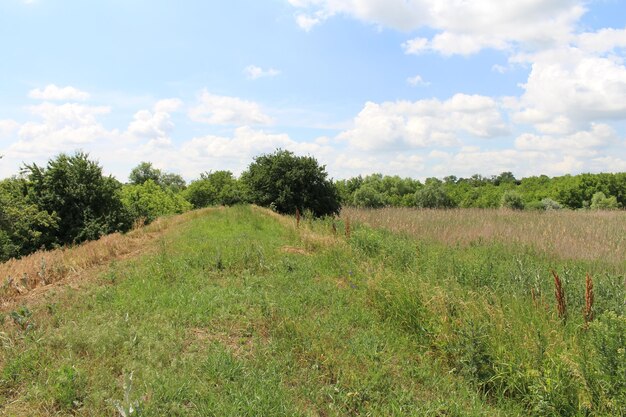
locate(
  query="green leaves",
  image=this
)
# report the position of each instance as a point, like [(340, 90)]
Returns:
[(288, 182)]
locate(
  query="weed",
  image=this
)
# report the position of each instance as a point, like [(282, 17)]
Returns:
[(127, 407), (22, 317)]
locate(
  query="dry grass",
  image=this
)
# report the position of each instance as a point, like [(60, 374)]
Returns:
[(560, 296), (577, 235), (43, 268)]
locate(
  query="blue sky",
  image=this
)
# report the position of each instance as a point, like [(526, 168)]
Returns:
[(416, 88)]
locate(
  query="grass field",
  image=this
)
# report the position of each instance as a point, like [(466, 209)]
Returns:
[(236, 312)]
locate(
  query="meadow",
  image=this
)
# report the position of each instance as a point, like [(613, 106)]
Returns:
[(244, 312)]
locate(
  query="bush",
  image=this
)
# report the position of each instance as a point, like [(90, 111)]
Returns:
[(599, 201), (512, 200)]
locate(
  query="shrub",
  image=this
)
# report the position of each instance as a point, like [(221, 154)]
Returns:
[(600, 201), (512, 200)]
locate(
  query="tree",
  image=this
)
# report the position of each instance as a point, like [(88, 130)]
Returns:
[(24, 228), (149, 200), (599, 201), (367, 196), (433, 195), (144, 172), (287, 182), (215, 188), (86, 203)]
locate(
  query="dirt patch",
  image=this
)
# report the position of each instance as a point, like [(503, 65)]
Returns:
[(238, 341)]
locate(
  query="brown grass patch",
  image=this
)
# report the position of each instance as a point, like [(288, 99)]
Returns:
[(293, 249), (577, 235), (43, 269)]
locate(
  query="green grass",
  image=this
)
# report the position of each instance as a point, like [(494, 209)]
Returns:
[(238, 313)]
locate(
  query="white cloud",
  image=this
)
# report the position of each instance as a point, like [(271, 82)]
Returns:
[(603, 40), (464, 27), (62, 127), (600, 135), (156, 125), (54, 93), (253, 72), (222, 110), (416, 81), (423, 123), (568, 89), (306, 22), (416, 46)]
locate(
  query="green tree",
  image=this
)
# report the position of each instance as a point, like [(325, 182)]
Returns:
[(433, 195), (367, 196), (144, 172), (86, 202), (286, 182), (215, 188), (149, 200), (24, 228), (599, 201)]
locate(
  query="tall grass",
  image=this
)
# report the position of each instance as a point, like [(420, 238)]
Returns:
[(575, 235)]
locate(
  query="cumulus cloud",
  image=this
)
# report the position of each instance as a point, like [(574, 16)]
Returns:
[(253, 72), (568, 89), (155, 125), (463, 27), (604, 40), (402, 124), (223, 110), (53, 93)]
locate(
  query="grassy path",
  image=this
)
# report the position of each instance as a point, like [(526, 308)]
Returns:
[(236, 314)]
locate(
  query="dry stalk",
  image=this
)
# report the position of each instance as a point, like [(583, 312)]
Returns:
[(347, 227), (588, 299), (334, 229), (560, 296), (297, 217)]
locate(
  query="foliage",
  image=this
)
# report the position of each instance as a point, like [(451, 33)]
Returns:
[(536, 193), (215, 188), (512, 200), (433, 195), (287, 182), (24, 227), (148, 201), (86, 203), (145, 172), (367, 196), (599, 201)]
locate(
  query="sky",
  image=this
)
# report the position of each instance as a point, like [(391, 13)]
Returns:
[(417, 88)]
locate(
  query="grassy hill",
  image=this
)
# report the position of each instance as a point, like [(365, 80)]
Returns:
[(238, 312)]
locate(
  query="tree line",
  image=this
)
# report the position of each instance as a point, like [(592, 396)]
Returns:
[(70, 200), (583, 191)]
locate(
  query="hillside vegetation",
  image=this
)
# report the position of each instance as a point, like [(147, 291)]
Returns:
[(238, 312)]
